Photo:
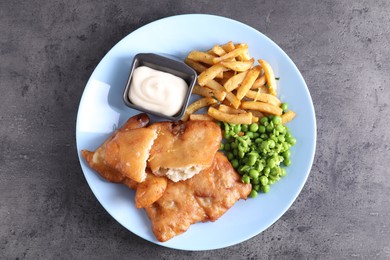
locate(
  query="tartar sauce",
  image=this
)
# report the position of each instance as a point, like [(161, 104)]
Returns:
[(157, 91)]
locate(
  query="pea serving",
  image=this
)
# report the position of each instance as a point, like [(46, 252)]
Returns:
[(257, 151)]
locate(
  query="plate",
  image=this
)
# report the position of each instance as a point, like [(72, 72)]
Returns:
[(102, 110)]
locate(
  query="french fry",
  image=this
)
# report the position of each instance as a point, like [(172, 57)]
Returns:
[(230, 110), (201, 56), (203, 102), (234, 101), (244, 118), (262, 107), (255, 119), (218, 50), (234, 53), (213, 84), (228, 47), (235, 81), (266, 98), (195, 65), (207, 92), (246, 84), (269, 76), (259, 82), (256, 113), (210, 74), (288, 116), (204, 117), (245, 56), (238, 65)]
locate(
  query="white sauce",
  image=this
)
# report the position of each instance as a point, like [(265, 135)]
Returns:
[(157, 91)]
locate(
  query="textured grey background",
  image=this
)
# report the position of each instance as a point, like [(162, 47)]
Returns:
[(48, 49)]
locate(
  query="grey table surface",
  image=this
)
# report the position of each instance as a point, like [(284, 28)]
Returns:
[(48, 50)]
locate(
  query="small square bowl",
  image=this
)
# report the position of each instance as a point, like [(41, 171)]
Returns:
[(164, 64)]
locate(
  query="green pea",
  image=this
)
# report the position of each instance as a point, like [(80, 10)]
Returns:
[(253, 194), (281, 138), (287, 161), (286, 154), (271, 181), (262, 129), (264, 136), (260, 167), (221, 147), (255, 135), (281, 129), (264, 120), (277, 120), (256, 187), (230, 156), (252, 160), (258, 140), (265, 188), (292, 141), (253, 127), (246, 179), (270, 127), (284, 106), (233, 145), (234, 163), (227, 147), (249, 134), (271, 163), (282, 172), (237, 128), (235, 151), (266, 170), (244, 128), (271, 143), (263, 180), (254, 174), (288, 135), (256, 181), (275, 171), (241, 154)]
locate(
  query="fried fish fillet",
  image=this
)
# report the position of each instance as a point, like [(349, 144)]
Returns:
[(128, 151), (204, 197), (148, 191), (96, 160), (182, 150)]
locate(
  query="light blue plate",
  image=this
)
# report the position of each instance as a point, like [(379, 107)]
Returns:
[(102, 110)]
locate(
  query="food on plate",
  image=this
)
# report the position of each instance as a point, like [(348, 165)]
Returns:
[(183, 149), (150, 190), (288, 116), (203, 102), (269, 75), (203, 185), (245, 85), (243, 118), (128, 151), (258, 151), (96, 160), (262, 107), (204, 197), (251, 115), (157, 91)]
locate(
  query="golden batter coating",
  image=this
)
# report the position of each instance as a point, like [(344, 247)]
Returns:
[(204, 197), (183, 149)]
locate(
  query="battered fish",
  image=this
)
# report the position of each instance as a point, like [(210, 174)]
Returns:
[(204, 197), (182, 150), (148, 191), (96, 160)]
